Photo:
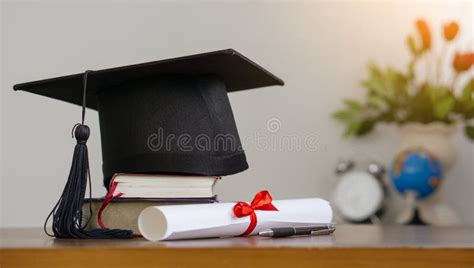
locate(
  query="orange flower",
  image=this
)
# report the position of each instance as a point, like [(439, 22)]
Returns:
[(425, 34), (450, 30), (462, 62)]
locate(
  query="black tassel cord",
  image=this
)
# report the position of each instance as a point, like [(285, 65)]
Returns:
[(67, 213)]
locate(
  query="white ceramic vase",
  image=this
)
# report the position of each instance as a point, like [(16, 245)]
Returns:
[(435, 137)]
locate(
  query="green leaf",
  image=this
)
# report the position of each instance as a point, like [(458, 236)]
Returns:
[(396, 84), (376, 102), (420, 108), (352, 128), (412, 45), (390, 81), (465, 103), (353, 105), (365, 127), (469, 130), (411, 70), (399, 84), (468, 91), (443, 107), (375, 72), (376, 81), (467, 99), (437, 92), (342, 115), (390, 84)]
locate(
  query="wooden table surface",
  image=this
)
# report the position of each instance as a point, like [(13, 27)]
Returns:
[(349, 246)]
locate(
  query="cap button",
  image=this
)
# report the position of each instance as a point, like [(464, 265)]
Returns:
[(82, 133)]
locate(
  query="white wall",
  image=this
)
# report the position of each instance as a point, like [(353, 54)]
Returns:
[(319, 48)]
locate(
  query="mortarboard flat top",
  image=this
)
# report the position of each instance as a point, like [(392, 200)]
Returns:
[(236, 71)]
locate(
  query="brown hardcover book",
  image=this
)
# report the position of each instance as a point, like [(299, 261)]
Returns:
[(122, 213)]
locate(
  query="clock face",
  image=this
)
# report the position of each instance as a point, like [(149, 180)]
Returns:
[(358, 195)]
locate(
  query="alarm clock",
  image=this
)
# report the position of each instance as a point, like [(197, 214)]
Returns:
[(360, 194)]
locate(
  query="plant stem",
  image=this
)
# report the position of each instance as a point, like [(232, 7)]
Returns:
[(411, 73), (427, 61), (440, 63), (455, 78)]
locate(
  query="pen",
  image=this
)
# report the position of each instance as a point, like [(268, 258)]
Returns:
[(327, 231), (322, 229)]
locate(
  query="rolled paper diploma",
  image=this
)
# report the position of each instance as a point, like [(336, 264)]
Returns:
[(218, 220)]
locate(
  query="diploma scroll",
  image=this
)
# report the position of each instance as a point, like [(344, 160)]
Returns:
[(218, 220)]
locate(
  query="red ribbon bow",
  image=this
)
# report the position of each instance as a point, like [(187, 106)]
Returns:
[(261, 201)]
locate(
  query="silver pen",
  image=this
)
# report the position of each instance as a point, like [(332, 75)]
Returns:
[(320, 229), (327, 231)]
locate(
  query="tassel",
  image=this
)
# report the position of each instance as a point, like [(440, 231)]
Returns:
[(67, 213)]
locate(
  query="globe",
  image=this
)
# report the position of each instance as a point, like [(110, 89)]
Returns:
[(418, 171)]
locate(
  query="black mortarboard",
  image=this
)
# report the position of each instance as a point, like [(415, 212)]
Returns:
[(168, 116)]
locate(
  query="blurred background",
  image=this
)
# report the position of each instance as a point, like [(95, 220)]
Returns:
[(320, 49)]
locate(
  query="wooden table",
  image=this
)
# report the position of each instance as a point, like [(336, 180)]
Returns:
[(349, 246)]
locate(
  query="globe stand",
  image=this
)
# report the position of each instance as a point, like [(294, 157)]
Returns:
[(430, 211), (416, 220), (435, 211), (409, 213)]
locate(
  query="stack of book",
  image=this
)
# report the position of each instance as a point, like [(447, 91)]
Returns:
[(129, 194)]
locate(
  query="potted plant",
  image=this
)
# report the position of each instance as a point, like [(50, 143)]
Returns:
[(426, 101)]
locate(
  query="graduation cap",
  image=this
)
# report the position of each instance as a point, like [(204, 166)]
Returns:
[(168, 116)]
